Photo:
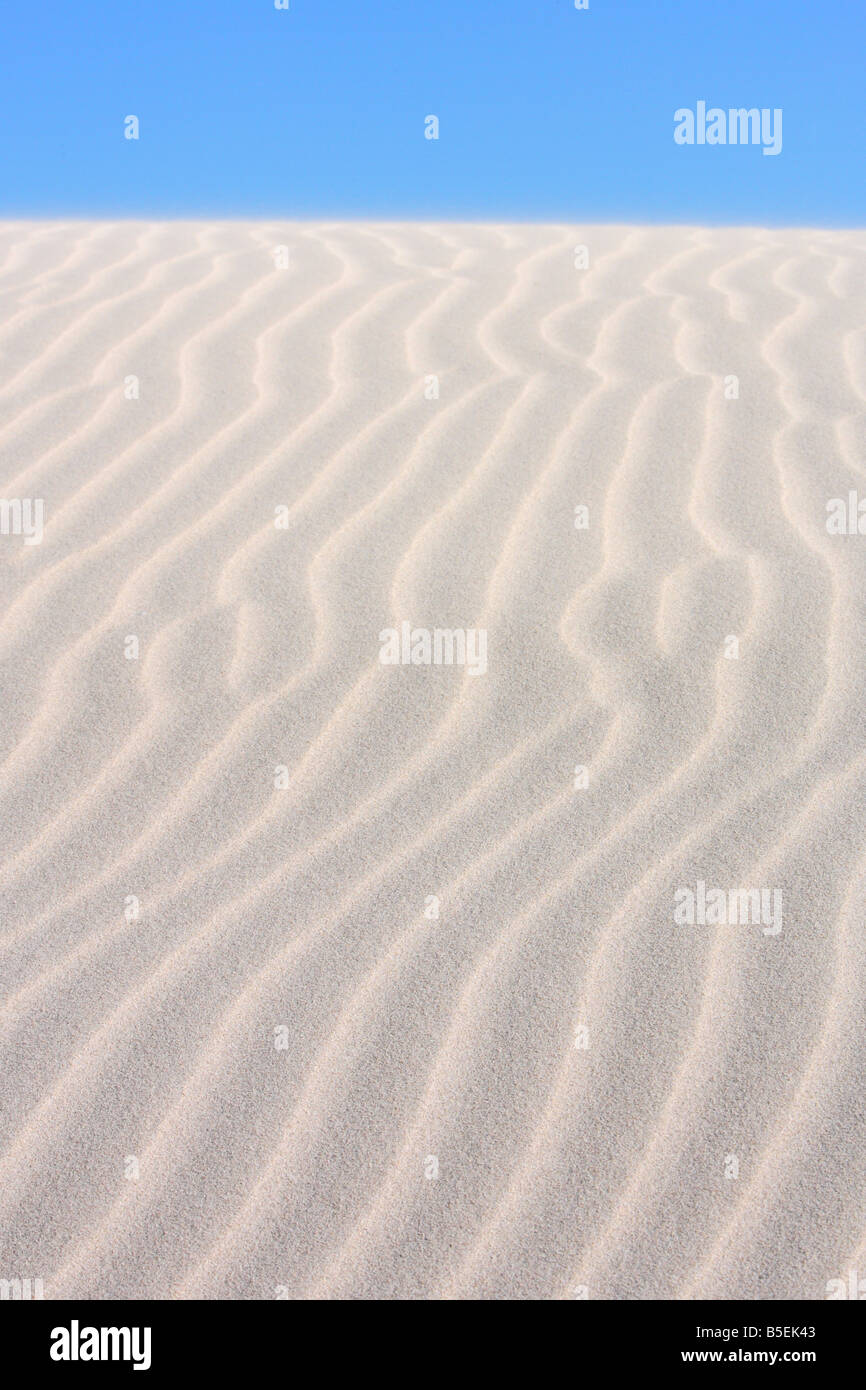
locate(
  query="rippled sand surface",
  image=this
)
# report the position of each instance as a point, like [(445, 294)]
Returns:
[(326, 978)]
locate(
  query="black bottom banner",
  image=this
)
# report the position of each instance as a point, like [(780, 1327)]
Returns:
[(160, 1338)]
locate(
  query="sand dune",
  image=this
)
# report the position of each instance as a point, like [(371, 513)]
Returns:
[(330, 977)]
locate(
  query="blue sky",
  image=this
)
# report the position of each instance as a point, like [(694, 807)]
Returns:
[(546, 112)]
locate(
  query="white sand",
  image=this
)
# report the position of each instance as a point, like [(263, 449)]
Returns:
[(149, 1045)]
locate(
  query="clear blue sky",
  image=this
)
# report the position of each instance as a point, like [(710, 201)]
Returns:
[(546, 112)]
